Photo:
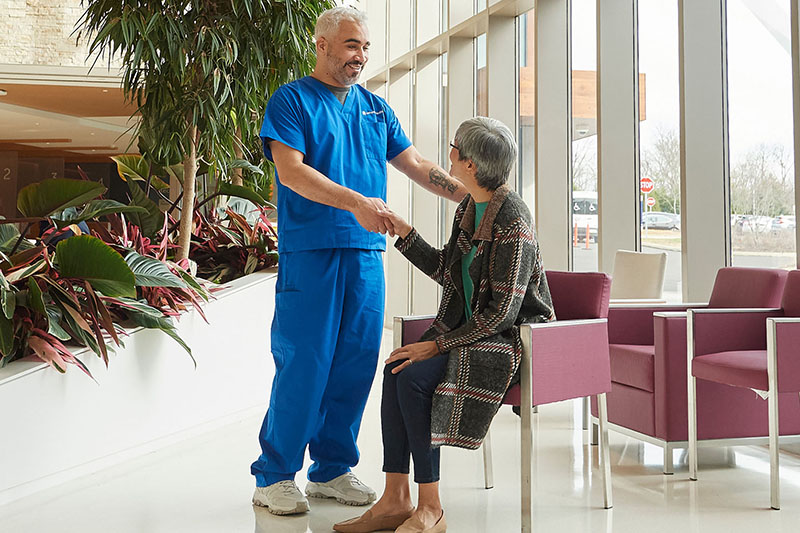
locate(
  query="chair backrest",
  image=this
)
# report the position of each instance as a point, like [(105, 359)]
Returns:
[(638, 274), (791, 294), (579, 295), (748, 287)]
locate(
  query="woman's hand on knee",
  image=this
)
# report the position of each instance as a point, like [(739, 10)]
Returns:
[(412, 353)]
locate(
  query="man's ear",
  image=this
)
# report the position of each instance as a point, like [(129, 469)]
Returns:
[(322, 44)]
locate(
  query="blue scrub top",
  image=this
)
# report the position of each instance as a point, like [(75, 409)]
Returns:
[(350, 144)]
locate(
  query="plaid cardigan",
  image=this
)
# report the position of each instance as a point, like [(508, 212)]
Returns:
[(510, 289)]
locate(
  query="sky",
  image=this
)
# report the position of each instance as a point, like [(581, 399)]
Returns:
[(759, 70)]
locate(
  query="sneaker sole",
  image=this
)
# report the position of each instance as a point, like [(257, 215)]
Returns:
[(302, 507), (323, 493)]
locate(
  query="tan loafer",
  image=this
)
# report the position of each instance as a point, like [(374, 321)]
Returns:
[(370, 522), (413, 525)]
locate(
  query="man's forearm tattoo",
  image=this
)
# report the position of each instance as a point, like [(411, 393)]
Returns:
[(438, 179)]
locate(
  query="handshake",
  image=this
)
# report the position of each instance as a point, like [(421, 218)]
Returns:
[(374, 215)]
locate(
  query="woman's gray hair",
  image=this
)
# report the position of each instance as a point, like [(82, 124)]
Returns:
[(491, 146), (328, 22)]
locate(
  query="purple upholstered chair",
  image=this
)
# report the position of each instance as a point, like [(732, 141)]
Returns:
[(648, 398), (561, 360), (744, 350)]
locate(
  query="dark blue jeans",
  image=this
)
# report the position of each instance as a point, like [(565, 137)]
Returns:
[(406, 418)]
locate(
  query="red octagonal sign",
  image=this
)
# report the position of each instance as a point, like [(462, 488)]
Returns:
[(646, 185)]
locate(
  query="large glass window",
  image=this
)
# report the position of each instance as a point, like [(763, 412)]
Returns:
[(761, 155), (481, 80), (584, 136), (527, 122), (660, 149)]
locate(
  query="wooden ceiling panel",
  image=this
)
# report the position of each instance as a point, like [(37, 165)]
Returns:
[(68, 100)]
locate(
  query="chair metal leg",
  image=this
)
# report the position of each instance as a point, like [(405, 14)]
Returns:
[(772, 402), (585, 415), (593, 433), (774, 452), (669, 466), (488, 467), (692, 453), (526, 438), (605, 459), (692, 396)]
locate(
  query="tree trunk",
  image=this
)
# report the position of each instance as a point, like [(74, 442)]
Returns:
[(237, 150), (187, 205)]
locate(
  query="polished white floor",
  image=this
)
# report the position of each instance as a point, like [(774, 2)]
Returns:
[(204, 485)]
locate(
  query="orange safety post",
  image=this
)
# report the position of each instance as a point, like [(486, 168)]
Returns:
[(587, 236), (575, 235)]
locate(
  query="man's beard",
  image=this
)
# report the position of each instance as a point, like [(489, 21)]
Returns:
[(344, 75)]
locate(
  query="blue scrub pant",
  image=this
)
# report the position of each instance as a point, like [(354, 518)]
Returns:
[(326, 336)]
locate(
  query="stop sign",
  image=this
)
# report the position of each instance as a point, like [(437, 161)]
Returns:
[(651, 201), (646, 185)]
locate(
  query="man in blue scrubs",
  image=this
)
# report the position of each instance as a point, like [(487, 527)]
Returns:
[(330, 140)]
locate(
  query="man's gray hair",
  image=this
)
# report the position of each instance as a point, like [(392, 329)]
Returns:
[(328, 22), (491, 146)]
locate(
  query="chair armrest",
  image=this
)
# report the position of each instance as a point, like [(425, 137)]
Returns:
[(566, 359), (633, 324), (636, 301), (723, 330), (783, 338), (408, 329)]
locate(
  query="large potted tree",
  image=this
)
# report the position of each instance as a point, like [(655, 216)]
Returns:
[(199, 70)]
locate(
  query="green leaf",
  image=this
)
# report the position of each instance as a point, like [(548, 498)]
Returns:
[(193, 283), (6, 336), (243, 163), (151, 221), (241, 192), (51, 195), (89, 258), (148, 317), (35, 297), (97, 209), (8, 301), (150, 272), (54, 328), (132, 167), (9, 235)]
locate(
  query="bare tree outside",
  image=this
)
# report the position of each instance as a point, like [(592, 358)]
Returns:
[(761, 182), (661, 162), (584, 164)]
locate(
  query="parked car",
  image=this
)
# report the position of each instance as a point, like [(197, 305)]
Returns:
[(754, 223), (659, 220), (782, 222)]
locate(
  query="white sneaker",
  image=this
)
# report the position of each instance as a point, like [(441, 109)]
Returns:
[(347, 489), (281, 498)]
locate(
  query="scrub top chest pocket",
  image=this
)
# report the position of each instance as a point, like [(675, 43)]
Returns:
[(373, 128)]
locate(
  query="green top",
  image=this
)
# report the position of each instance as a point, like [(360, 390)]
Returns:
[(466, 261)]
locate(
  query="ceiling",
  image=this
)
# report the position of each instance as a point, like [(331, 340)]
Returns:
[(45, 118)]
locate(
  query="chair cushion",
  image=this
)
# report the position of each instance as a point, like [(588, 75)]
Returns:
[(579, 295), (791, 294), (747, 287), (744, 368), (632, 365)]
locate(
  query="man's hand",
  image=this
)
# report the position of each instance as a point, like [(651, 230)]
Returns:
[(373, 215), (412, 353)]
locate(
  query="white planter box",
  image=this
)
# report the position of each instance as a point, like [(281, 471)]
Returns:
[(58, 427)]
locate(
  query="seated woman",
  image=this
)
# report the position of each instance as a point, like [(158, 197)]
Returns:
[(445, 389)]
